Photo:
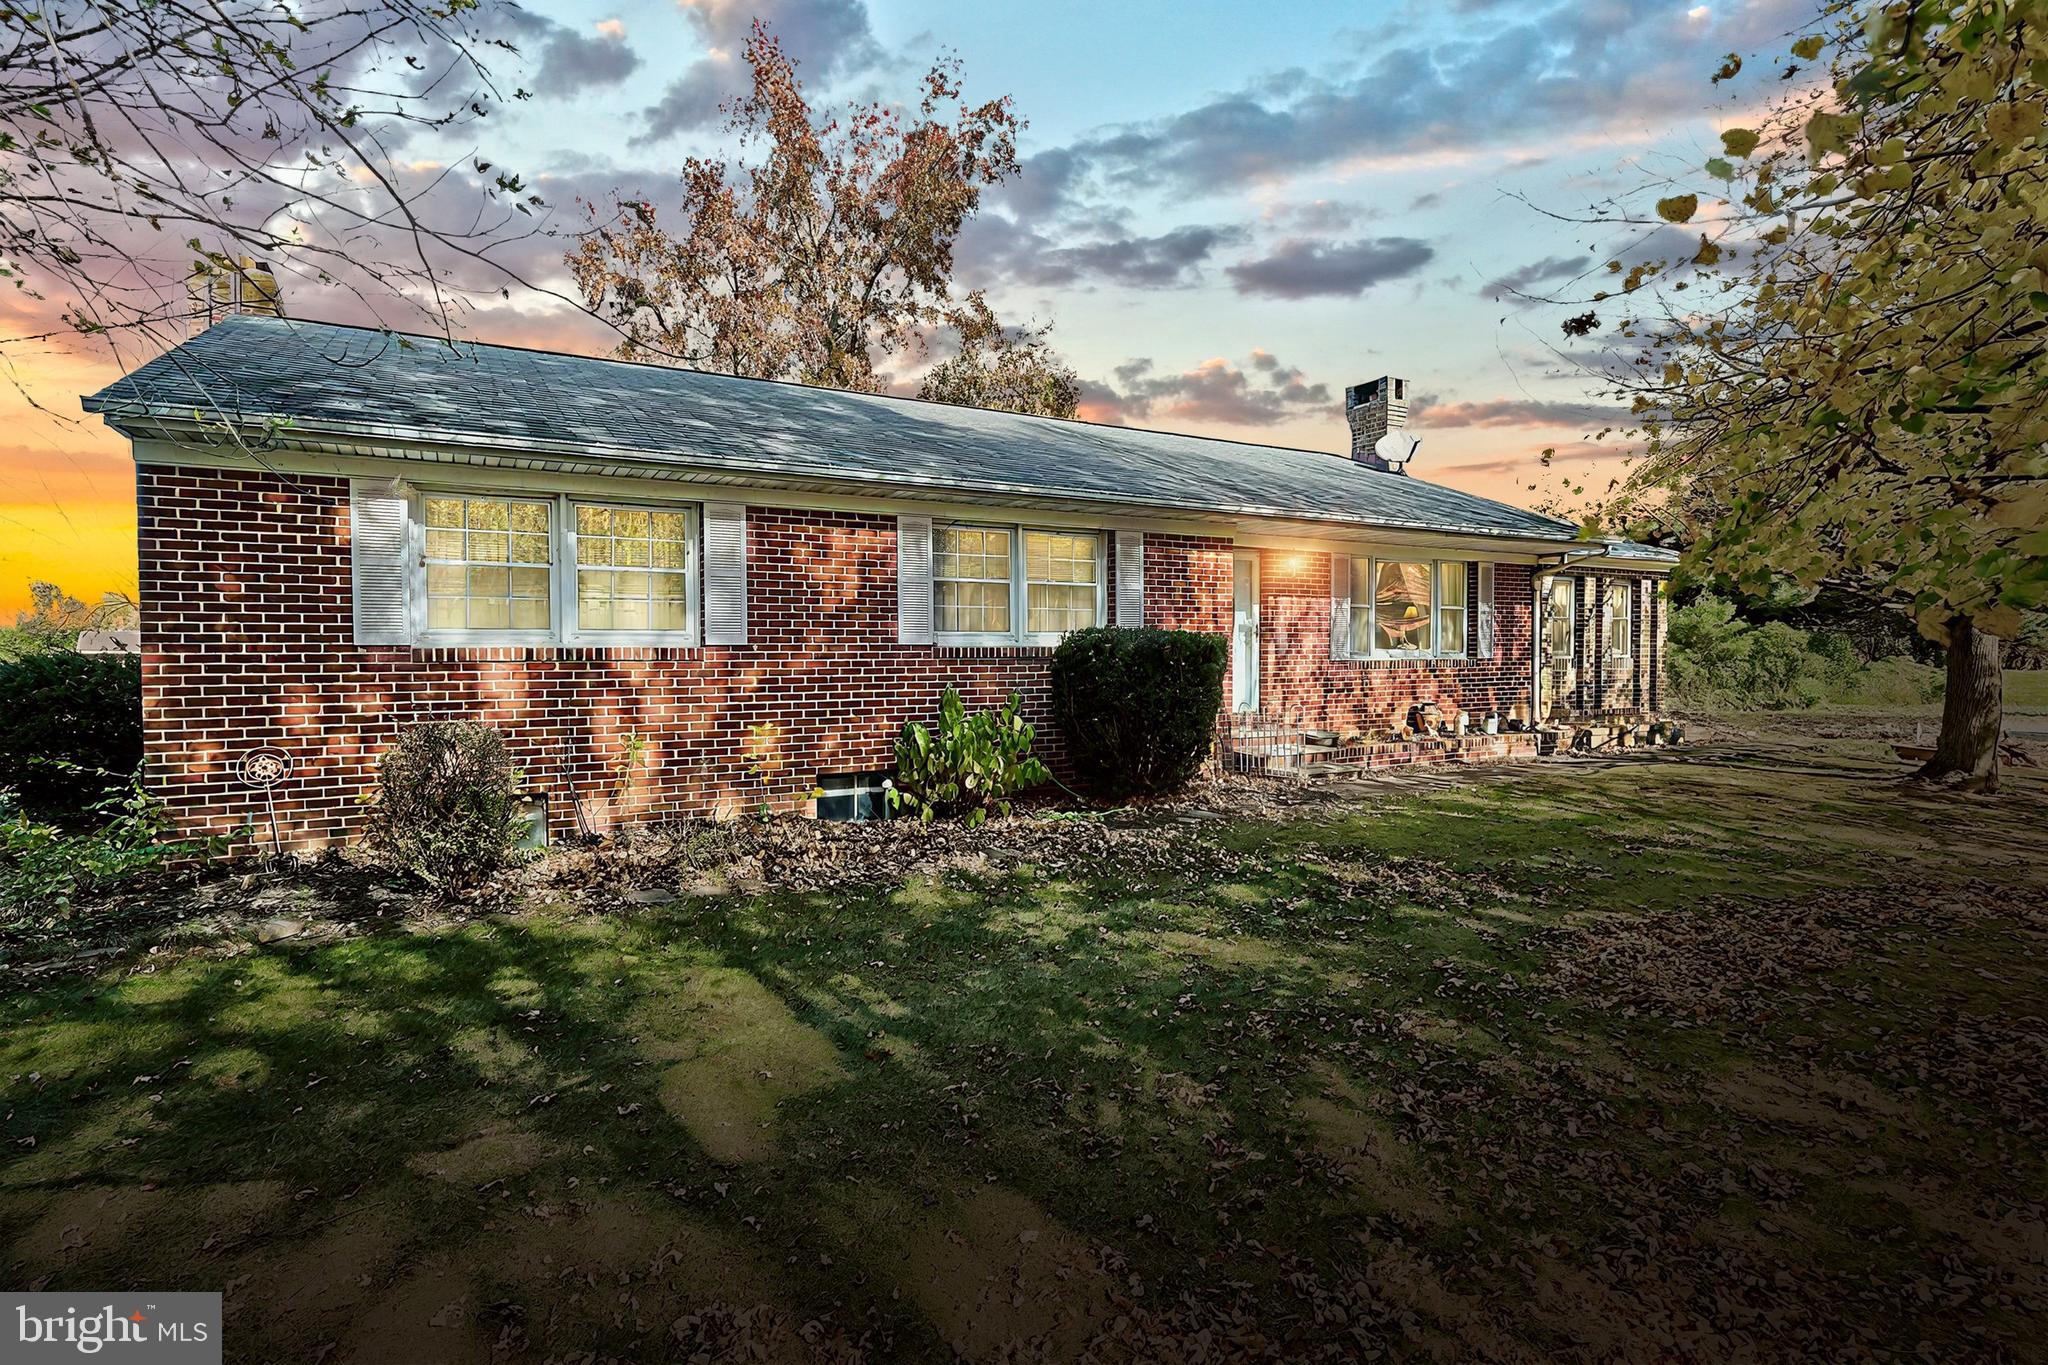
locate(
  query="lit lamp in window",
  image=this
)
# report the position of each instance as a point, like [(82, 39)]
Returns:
[(1406, 631)]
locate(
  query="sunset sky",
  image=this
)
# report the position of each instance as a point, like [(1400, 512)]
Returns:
[(1229, 212)]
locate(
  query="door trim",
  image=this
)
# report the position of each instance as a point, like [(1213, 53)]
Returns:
[(1246, 682)]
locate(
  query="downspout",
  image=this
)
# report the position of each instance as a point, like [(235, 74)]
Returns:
[(1565, 560)]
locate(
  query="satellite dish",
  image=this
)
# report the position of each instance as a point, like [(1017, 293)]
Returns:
[(1397, 448)]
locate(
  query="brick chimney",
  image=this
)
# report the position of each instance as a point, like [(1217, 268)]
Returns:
[(1373, 409), (222, 287)]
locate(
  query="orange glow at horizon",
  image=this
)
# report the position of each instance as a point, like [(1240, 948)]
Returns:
[(67, 485)]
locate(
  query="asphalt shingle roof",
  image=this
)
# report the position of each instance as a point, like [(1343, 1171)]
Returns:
[(1635, 549), (332, 379)]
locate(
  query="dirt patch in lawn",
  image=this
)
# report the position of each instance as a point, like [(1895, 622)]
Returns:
[(488, 1156), (86, 1224), (1350, 1133), (733, 1052), (994, 1276), (604, 1279)]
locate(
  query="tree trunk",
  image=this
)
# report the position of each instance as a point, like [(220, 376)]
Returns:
[(1966, 755)]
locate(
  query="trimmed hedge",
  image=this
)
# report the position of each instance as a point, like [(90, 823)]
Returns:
[(63, 708), (1138, 707)]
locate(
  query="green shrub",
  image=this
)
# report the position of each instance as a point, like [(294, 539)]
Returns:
[(1706, 649), (968, 766), (1838, 664), (1780, 670), (444, 808), (1138, 707), (70, 729), (44, 868)]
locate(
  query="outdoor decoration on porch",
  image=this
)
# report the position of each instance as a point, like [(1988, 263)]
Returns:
[(1274, 745)]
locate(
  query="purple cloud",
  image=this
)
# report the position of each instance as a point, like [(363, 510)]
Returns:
[(828, 39), (1213, 391), (1301, 268)]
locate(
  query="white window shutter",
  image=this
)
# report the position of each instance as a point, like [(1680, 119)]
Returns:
[(914, 580), (1130, 578), (1340, 606), (1487, 636), (725, 573), (378, 540)]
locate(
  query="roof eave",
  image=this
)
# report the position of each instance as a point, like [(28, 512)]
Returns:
[(418, 442)]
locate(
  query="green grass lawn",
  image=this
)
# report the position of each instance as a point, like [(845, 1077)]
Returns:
[(2027, 691), (1735, 1054)]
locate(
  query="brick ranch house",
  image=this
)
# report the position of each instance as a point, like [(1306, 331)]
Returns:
[(679, 592)]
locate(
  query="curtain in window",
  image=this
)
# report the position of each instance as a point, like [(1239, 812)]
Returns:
[(971, 580), (1059, 582), (1452, 604), (487, 564), (1401, 608)]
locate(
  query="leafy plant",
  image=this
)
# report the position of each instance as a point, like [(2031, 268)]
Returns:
[(1779, 669), (1138, 707), (45, 868), (70, 727), (969, 765), (444, 809), (763, 760), (626, 772)]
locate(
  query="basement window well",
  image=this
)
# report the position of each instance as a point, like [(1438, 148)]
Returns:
[(852, 796)]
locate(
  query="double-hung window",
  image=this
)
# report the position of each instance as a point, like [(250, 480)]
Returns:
[(1014, 584), (489, 564), (554, 570), (1408, 608), (634, 570), (1615, 623), (973, 577)]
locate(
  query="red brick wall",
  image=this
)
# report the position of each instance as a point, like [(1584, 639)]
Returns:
[(246, 588), (1601, 686), (1300, 680)]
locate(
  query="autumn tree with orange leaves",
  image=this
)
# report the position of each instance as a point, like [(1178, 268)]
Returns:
[(830, 254)]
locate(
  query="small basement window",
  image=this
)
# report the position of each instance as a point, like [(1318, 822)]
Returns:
[(852, 796)]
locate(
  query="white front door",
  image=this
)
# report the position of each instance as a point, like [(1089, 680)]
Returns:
[(1244, 638), (1559, 647)]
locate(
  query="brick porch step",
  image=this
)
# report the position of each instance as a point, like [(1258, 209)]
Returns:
[(1359, 758)]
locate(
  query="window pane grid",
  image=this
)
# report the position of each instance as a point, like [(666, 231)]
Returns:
[(1062, 589), (971, 580), (1409, 608), (1452, 600), (632, 569), (488, 564), (1617, 624)]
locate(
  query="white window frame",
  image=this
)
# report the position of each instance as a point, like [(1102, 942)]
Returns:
[(563, 628), (1436, 610), (1018, 634), (416, 545), (1620, 590), (693, 576)]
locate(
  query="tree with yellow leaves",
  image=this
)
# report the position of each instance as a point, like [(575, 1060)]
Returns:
[(1844, 383)]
